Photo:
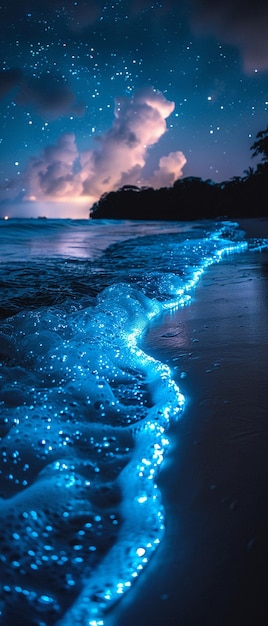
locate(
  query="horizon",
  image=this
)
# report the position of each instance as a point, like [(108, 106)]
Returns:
[(87, 207)]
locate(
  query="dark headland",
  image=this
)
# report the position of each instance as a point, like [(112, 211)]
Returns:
[(193, 198)]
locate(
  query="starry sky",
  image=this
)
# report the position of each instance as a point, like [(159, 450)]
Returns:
[(97, 94)]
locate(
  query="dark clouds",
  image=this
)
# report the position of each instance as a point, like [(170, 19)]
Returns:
[(80, 17), (50, 96), (241, 23), (8, 80)]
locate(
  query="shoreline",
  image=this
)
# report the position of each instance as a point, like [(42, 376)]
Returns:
[(208, 345), (210, 567), (254, 227)]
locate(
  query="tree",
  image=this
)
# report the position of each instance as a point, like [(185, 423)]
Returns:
[(249, 172), (260, 147)]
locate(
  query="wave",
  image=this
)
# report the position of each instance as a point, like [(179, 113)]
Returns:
[(84, 421)]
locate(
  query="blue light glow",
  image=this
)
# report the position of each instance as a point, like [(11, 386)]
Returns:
[(86, 431)]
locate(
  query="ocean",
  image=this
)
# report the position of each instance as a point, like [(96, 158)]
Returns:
[(85, 408)]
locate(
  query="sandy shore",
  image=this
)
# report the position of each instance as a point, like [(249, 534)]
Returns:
[(257, 227), (211, 568)]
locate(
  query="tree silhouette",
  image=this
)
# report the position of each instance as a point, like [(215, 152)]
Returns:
[(249, 172), (192, 198), (260, 147)]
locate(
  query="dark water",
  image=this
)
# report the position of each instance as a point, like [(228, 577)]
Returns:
[(84, 410)]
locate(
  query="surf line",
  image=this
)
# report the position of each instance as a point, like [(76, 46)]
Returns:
[(142, 510)]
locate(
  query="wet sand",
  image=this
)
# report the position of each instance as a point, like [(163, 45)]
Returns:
[(211, 567)]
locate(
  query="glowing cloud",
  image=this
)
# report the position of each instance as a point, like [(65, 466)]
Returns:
[(52, 175), (169, 170), (117, 158)]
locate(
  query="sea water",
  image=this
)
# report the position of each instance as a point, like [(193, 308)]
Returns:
[(84, 412)]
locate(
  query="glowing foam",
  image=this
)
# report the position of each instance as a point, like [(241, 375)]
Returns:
[(84, 434)]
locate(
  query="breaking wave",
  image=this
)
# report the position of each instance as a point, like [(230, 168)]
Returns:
[(85, 412)]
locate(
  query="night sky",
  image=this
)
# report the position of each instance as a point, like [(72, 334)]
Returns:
[(95, 95)]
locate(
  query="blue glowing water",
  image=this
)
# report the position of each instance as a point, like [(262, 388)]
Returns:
[(84, 411)]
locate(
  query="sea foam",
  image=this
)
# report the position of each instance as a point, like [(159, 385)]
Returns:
[(84, 420)]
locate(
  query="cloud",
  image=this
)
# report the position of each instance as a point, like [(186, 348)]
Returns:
[(50, 96), (242, 23), (169, 170), (138, 6), (75, 16), (53, 175), (83, 16), (117, 158), (9, 79), (122, 151)]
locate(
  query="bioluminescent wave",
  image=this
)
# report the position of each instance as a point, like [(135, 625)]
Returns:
[(85, 413)]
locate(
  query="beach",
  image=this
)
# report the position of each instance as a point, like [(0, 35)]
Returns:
[(211, 567), (79, 301)]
